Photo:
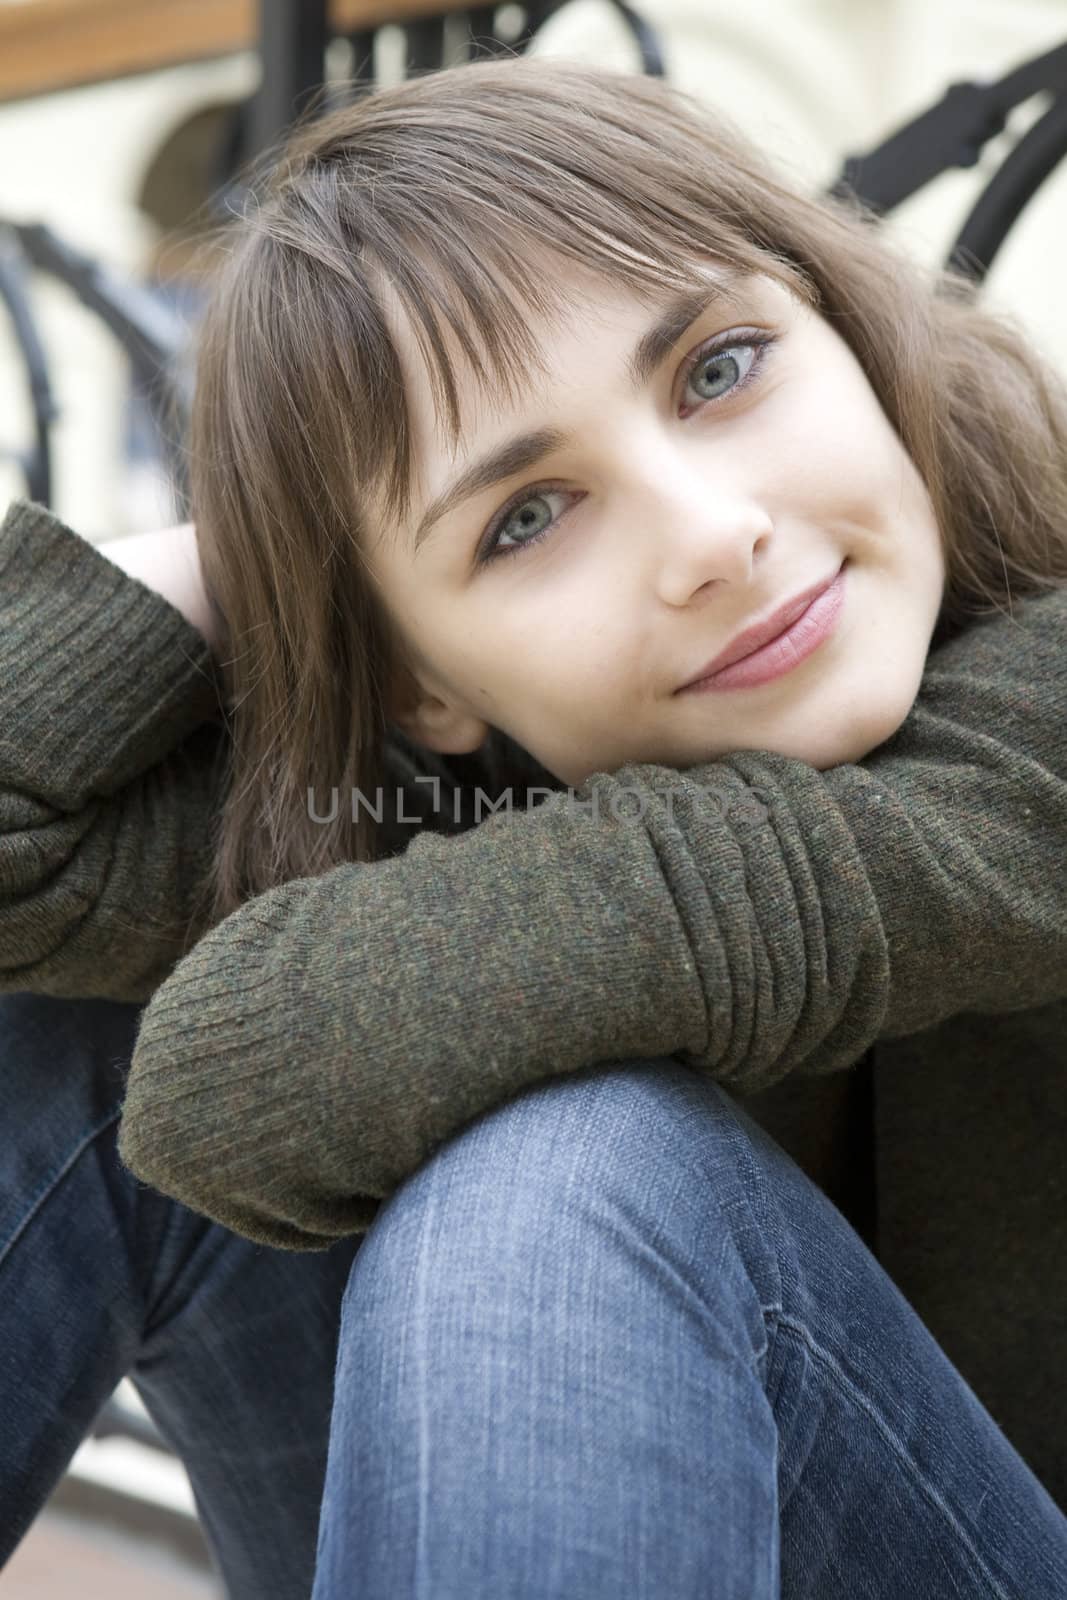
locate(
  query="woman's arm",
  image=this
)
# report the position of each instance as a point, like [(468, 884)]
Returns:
[(112, 758), (754, 917), (109, 767)]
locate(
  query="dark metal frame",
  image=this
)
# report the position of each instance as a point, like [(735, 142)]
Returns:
[(953, 133)]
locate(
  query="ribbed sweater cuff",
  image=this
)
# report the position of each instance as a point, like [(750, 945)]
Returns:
[(101, 675)]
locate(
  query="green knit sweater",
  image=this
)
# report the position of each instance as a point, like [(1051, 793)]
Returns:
[(751, 916)]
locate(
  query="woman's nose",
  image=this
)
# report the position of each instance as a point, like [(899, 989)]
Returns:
[(693, 540)]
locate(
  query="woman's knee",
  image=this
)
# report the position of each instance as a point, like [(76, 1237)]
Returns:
[(615, 1151), (591, 1129)]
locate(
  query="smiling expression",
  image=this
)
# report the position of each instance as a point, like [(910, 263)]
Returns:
[(648, 500)]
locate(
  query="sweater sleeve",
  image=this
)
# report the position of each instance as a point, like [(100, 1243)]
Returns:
[(113, 755), (751, 917), (110, 747)]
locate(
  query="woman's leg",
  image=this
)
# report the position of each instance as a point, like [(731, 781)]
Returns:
[(231, 1345), (610, 1340)]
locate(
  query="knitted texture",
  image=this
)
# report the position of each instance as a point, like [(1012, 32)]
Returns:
[(109, 768)]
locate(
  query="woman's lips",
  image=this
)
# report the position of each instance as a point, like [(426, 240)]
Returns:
[(788, 650)]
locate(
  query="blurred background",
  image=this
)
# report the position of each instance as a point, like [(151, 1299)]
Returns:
[(124, 125)]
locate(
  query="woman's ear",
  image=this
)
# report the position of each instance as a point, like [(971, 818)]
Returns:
[(432, 721), (437, 727)]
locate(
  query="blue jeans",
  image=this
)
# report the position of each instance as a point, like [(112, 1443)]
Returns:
[(230, 1345), (607, 1340)]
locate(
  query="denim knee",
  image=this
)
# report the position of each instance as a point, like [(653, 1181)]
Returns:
[(644, 1145)]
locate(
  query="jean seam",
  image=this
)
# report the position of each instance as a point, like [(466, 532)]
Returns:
[(53, 1181), (760, 1207), (858, 1398)]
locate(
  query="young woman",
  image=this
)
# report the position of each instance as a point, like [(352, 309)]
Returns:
[(604, 1335)]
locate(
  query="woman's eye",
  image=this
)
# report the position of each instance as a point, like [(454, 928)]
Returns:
[(719, 369), (525, 521)]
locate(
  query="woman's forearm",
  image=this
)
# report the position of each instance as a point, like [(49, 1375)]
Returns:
[(774, 918), (168, 561)]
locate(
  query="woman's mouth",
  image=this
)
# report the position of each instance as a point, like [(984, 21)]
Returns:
[(781, 654)]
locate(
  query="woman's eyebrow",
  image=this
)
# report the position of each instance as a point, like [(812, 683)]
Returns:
[(527, 449)]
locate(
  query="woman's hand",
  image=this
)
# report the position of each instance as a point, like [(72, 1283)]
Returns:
[(168, 561)]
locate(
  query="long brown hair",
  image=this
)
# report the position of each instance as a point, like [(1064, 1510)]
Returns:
[(443, 184)]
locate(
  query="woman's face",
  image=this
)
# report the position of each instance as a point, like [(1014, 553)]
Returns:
[(678, 505)]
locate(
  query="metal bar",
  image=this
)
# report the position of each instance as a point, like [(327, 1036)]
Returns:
[(292, 49), (424, 45), (35, 463), (362, 42), (1011, 188)]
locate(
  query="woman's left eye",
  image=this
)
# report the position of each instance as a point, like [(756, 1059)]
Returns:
[(730, 367), (733, 363)]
